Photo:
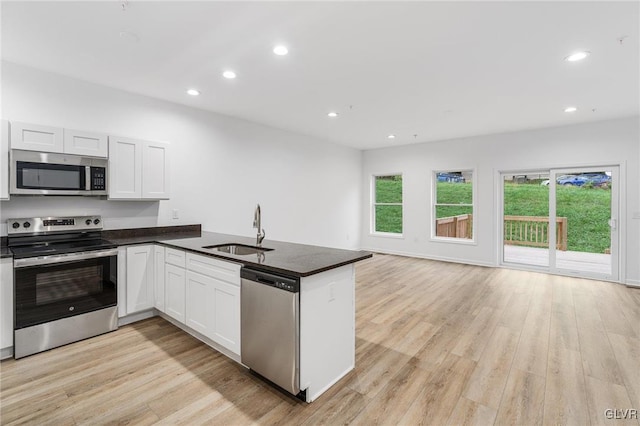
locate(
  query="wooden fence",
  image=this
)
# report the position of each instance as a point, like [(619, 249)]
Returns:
[(533, 231), (455, 226)]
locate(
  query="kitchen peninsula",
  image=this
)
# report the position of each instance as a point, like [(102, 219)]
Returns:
[(197, 287)]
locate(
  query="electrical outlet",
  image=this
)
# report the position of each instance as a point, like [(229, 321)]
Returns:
[(175, 213)]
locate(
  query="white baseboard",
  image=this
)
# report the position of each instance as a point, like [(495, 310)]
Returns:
[(6, 352), (633, 283), (138, 316), (429, 257)]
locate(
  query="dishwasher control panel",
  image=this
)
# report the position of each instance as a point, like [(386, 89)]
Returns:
[(289, 284)]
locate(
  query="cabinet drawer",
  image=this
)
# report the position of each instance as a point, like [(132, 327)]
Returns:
[(205, 265), (174, 257)]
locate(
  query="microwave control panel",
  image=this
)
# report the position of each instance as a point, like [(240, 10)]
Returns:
[(98, 178)]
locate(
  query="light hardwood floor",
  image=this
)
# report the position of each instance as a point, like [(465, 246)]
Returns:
[(437, 343)]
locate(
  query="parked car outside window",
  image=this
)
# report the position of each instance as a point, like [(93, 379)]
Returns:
[(597, 179), (569, 180), (450, 177)]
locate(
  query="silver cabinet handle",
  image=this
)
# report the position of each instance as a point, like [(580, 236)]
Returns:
[(71, 257)]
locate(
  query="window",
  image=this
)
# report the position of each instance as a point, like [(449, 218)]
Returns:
[(387, 204), (453, 204)]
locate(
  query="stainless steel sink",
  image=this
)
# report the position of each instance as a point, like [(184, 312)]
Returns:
[(238, 249)]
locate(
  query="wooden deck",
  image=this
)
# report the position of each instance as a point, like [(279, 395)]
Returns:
[(570, 260)]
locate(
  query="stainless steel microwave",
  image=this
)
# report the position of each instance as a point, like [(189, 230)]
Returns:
[(45, 173)]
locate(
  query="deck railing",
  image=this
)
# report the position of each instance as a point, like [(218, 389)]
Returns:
[(455, 226), (533, 231)]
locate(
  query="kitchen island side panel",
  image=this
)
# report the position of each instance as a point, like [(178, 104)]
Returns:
[(327, 329)]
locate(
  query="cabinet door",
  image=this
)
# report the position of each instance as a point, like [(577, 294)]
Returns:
[(158, 277), (4, 160), (174, 284), (226, 322), (85, 143), (200, 303), (155, 171), (125, 168), (139, 278), (33, 137), (6, 303), (122, 282)]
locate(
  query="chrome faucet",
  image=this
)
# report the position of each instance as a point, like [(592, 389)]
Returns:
[(257, 225)]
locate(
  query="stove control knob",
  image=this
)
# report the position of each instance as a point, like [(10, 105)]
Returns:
[(15, 225), (96, 221), (26, 224), (88, 222)]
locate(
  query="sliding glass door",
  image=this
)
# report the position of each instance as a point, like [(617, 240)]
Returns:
[(526, 218), (562, 220)]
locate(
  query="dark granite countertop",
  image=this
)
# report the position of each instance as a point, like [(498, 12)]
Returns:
[(291, 259), (297, 260)]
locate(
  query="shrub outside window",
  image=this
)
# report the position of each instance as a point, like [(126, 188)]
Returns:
[(387, 204), (453, 204)]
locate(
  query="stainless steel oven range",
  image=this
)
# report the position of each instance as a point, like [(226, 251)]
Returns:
[(65, 278)]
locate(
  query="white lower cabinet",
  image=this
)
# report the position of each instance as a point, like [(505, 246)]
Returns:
[(6, 305), (226, 312), (174, 286), (199, 303), (203, 293), (213, 309), (158, 276), (140, 278)]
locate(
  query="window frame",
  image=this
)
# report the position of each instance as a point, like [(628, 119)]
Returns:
[(473, 205), (373, 204)]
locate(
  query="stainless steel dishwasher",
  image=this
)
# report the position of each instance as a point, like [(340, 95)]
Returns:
[(270, 327)]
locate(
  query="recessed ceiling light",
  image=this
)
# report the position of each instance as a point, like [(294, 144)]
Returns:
[(332, 114), (229, 74), (391, 136), (577, 56), (193, 92), (570, 109), (280, 50)]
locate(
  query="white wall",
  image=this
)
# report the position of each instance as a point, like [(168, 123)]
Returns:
[(309, 190), (602, 143)]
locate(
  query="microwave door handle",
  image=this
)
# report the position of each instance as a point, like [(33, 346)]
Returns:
[(87, 178), (71, 257)]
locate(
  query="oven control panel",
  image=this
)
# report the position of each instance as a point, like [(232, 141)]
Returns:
[(36, 225)]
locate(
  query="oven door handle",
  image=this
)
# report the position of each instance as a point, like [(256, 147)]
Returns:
[(71, 257)]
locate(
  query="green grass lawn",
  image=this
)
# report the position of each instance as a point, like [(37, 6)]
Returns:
[(587, 209)]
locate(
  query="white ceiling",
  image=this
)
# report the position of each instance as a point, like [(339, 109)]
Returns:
[(438, 70)]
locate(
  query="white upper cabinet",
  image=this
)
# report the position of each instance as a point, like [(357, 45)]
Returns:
[(33, 137), (85, 143), (138, 170), (155, 171), (4, 160), (125, 168)]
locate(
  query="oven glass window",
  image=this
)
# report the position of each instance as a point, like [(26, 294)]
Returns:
[(68, 284), (54, 291)]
